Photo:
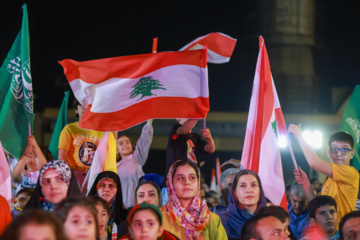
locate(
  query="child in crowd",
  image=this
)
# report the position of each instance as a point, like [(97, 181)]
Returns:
[(342, 182), (26, 171), (322, 211), (129, 167), (103, 214), (20, 201), (79, 216), (35, 224)]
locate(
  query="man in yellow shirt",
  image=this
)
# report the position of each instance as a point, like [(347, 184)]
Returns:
[(342, 181)]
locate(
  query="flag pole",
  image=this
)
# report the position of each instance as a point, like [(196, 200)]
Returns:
[(154, 47), (292, 153), (29, 124), (204, 123)]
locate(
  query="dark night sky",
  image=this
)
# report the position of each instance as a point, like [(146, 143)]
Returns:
[(86, 31)]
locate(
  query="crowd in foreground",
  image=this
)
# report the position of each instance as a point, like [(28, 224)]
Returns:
[(51, 202)]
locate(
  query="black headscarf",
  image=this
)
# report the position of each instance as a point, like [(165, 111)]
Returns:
[(117, 213), (73, 190)]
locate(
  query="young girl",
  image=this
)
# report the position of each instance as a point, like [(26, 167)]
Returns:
[(148, 191), (103, 213), (145, 221), (79, 216), (35, 224), (129, 168), (185, 214), (246, 197)]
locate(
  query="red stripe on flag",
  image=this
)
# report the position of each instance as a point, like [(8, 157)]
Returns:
[(163, 107), (280, 121), (135, 66)]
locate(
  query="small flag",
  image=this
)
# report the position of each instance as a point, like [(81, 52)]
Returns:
[(218, 172), (350, 123), (104, 160), (16, 97), (214, 185), (59, 125), (219, 46), (261, 152)]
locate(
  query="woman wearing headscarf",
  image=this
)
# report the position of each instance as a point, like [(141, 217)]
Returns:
[(56, 182), (245, 199), (107, 186), (185, 214)]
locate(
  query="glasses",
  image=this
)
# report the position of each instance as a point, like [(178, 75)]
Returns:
[(344, 151)]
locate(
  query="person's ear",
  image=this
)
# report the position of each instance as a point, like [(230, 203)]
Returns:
[(312, 222), (131, 234), (161, 230)]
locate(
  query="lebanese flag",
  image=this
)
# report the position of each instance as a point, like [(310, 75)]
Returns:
[(5, 182), (214, 186), (104, 160), (219, 46), (122, 92), (261, 152)]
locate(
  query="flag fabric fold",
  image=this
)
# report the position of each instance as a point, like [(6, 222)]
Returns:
[(219, 46), (5, 182), (350, 123), (122, 92), (104, 160), (59, 125), (261, 152), (16, 97)]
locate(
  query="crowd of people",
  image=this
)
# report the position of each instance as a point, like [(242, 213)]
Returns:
[(126, 203)]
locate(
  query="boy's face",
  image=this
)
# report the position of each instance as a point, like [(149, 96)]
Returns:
[(340, 158), (326, 217)]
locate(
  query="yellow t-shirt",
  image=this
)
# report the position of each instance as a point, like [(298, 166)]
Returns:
[(81, 145), (343, 187)]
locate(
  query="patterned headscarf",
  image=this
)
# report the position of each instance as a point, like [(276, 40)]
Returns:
[(194, 220), (60, 166)]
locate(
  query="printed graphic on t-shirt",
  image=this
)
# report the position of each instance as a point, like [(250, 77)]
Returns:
[(86, 153)]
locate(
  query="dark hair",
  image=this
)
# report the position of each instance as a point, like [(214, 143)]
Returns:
[(47, 154), (249, 230), (342, 137), (320, 201), (37, 217), (65, 206), (351, 215), (98, 200), (28, 191), (184, 163), (279, 212), (143, 182)]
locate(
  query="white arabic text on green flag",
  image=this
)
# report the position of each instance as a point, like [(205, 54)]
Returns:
[(351, 122), (16, 97), (59, 125)]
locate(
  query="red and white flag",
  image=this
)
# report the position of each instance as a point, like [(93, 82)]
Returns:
[(265, 125), (5, 182), (104, 160), (213, 184), (219, 46), (122, 92)]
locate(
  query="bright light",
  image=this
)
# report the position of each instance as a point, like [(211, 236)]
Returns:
[(315, 138), (282, 141)]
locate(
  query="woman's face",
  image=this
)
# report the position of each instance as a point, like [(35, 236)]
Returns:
[(147, 193), (124, 146), (145, 225), (102, 218), (185, 182), (41, 231), (80, 224), (248, 191), (53, 186), (107, 190)]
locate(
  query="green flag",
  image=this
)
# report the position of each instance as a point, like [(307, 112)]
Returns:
[(59, 125), (16, 97), (351, 122)]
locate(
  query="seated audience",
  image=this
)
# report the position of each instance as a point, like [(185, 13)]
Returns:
[(35, 224), (349, 227), (264, 227), (56, 182), (79, 216), (322, 212), (246, 197), (185, 215)]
